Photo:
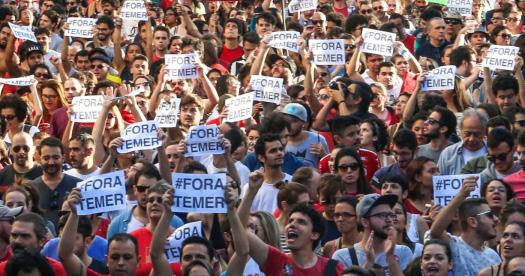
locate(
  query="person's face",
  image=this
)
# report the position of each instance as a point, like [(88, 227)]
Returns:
[(78, 155), (373, 61), (274, 153), (519, 122), (486, 223), (79, 245), (169, 18), (386, 76), (514, 20), (498, 19), (22, 150), (417, 128), (193, 251), (190, 115), (367, 135), (263, 27), (140, 188), (23, 236), (477, 39), (400, 105), (41, 74), (472, 133), (319, 22), (430, 169), (172, 156), (503, 38), (344, 217), (496, 194), (365, 9), (132, 51), (16, 199), (82, 63), (278, 69), (381, 220), (178, 86), (104, 32), (505, 99), (99, 69), (45, 22), (452, 25), (35, 58), (231, 31), (52, 159), (50, 99), (392, 7), (26, 3), (8, 116), (175, 46), (108, 9), (72, 88), (43, 40), (348, 169), (392, 188), (255, 226), (154, 206), (233, 86), (122, 258), (160, 40), (502, 156), (403, 156), (253, 135), (400, 221), (4, 36), (421, 4), (240, 152), (248, 47), (351, 137), (214, 76), (299, 232), (26, 17), (434, 261), (401, 65), (297, 125), (139, 68), (437, 29), (446, 56), (431, 127), (379, 8)]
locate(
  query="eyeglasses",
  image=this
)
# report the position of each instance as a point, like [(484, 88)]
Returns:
[(365, 11), (315, 22), (323, 96), (141, 189), (505, 36), (378, 8), (99, 66), (488, 213), (154, 199), (71, 3), (349, 46), (453, 21), (521, 123), (500, 157), (21, 147), (494, 19), (7, 117), (328, 201), (431, 121), (345, 167), (384, 215), (344, 215)]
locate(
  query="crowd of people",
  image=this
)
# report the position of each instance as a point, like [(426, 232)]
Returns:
[(340, 177)]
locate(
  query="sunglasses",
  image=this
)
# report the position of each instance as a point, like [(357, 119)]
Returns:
[(453, 21), (431, 121), (365, 11), (500, 157), (345, 167), (378, 8), (315, 22), (7, 118), (488, 213), (154, 199), (99, 66), (323, 96), (349, 46), (42, 75), (21, 147), (521, 123), (505, 36), (141, 189)]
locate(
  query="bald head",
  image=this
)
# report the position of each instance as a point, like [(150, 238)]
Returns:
[(22, 149)]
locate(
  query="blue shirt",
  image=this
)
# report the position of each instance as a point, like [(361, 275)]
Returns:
[(428, 50), (97, 249), (290, 165)]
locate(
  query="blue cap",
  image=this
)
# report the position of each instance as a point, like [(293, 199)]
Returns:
[(296, 110)]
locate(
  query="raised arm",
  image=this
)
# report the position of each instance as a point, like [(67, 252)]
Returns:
[(64, 50), (315, 105), (413, 65), (161, 266), (320, 122), (410, 107), (98, 129), (519, 77), (164, 167), (255, 181), (209, 89), (118, 59), (8, 64), (149, 42), (488, 85), (112, 156), (190, 26), (154, 100), (351, 69), (258, 63), (36, 103), (240, 241)]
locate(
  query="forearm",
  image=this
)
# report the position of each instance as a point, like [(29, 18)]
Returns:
[(443, 219), (519, 77), (410, 107), (153, 102), (72, 264), (160, 264), (190, 26), (246, 205), (320, 123), (257, 65), (98, 135), (488, 85), (164, 167), (108, 164), (315, 105), (393, 266), (64, 54), (211, 93), (118, 59)]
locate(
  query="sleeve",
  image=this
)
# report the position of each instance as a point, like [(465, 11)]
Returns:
[(343, 257), (274, 261), (442, 165), (325, 144)]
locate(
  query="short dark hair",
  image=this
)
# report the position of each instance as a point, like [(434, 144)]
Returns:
[(40, 31), (104, 19), (386, 64), (498, 136), (315, 217), (405, 138), (504, 82), (39, 224), (85, 139), (379, 130), (84, 225), (193, 167), (509, 209), (26, 261), (470, 207), (6, 11), (197, 262), (521, 138), (15, 102), (52, 15), (290, 193), (161, 28), (460, 54), (508, 189), (499, 121), (340, 123), (148, 170), (124, 237), (446, 247), (447, 119), (139, 57), (268, 17), (198, 240), (354, 21), (52, 142), (394, 178), (260, 145), (275, 123)]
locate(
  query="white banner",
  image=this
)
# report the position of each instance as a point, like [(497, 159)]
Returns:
[(130, 28), (328, 52), (173, 247), (302, 5), (501, 57), (22, 32), (86, 108), (441, 78), (203, 140), (463, 7), (199, 193), (167, 112), (288, 40), (22, 81), (181, 67), (267, 89), (134, 10), (80, 27), (378, 42), (140, 136), (446, 187), (240, 107), (102, 193)]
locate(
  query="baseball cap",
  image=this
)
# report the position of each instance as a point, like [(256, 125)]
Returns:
[(29, 47), (102, 58), (368, 202), (479, 30), (6, 212), (296, 110)]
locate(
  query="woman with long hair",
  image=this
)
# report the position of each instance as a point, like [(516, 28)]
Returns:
[(512, 244), (349, 166), (51, 95), (374, 137), (419, 174), (400, 224), (346, 220)]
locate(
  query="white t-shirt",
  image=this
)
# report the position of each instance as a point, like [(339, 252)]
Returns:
[(266, 198), (75, 173), (134, 224), (469, 155)]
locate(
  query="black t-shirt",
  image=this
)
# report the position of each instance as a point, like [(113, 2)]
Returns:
[(98, 267), (7, 176)]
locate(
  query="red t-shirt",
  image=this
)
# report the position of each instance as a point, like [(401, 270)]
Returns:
[(229, 55), (278, 263), (369, 159), (57, 267), (144, 237), (409, 82), (409, 42), (517, 182)]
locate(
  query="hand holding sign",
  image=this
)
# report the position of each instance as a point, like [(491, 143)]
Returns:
[(446, 187), (232, 196), (114, 145), (74, 199)]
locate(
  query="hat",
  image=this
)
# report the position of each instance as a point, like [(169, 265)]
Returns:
[(479, 30), (288, 62), (368, 202), (102, 58), (6, 212), (29, 47), (296, 110), (452, 15)]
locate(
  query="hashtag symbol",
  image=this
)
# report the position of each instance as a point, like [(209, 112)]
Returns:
[(178, 183), (439, 184)]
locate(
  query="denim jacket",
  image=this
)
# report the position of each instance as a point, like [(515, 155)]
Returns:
[(120, 223), (451, 159)]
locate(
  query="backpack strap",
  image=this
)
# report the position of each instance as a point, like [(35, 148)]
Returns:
[(330, 268), (353, 255)]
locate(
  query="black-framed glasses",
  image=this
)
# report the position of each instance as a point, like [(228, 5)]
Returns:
[(505, 36), (345, 167), (368, 11), (7, 117), (384, 215), (344, 215), (349, 46), (488, 213), (17, 148), (500, 157), (42, 75), (99, 66), (431, 121), (521, 123)]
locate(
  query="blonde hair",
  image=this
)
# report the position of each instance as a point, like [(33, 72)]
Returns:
[(270, 228)]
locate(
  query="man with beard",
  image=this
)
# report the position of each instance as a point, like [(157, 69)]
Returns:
[(23, 166), (53, 185), (29, 232), (81, 150), (378, 243), (30, 54), (109, 7), (441, 123), (6, 216), (478, 225), (5, 33), (104, 29), (500, 143)]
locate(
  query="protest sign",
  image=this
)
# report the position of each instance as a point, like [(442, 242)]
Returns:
[(167, 112), (22, 32), (446, 187), (441, 78), (501, 57), (134, 10), (463, 7), (102, 193), (80, 27), (378, 42), (288, 40), (130, 28), (240, 107), (328, 52), (173, 246), (302, 5), (267, 89), (140, 136), (86, 108), (22, 81), (181, 67), (203, 140), (199, 193)]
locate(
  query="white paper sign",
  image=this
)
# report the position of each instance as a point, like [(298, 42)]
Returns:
[(22, 81), (267, 89), (167, 112), (463, 7), (203, 140), (134, 10), (441, 78), (173, 246), (302, 5), (328, 52), (130, 28), (378, 42), (102, 193), (446, 187), (22, 32), (181, 67), (140, 136), (501, 57), (80, 27), (86, 108), (240, 107), (288, 40), (199, 193)]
